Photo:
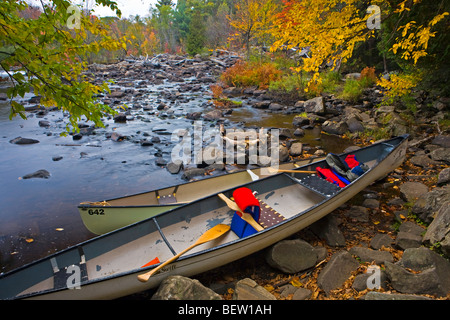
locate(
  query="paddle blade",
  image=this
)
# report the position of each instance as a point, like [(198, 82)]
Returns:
[(213, 233)]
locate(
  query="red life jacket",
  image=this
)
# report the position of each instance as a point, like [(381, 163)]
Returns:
[(328, 175), (351, 161)]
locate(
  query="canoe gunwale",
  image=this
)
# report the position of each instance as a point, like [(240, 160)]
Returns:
[(287, 224)]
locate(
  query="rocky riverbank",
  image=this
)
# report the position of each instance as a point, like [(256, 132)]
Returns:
[(391, 242)]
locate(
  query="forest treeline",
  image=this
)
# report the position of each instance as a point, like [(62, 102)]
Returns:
[(407, 41)]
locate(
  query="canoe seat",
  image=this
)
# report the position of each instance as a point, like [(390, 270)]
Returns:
[(319, 185), (167, 199), (268, 216)]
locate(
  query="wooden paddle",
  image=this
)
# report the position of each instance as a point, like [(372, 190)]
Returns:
[(247, 217), (211, 234), (290, 171)]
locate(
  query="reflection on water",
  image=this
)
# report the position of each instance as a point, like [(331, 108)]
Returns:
[(249, 117), (40, 216)]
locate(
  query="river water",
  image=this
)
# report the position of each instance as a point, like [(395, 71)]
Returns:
[(40, 216)]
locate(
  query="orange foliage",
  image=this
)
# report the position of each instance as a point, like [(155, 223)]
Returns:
[(368, 73), (247, 74)]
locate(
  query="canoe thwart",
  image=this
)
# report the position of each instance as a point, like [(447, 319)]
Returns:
[(244, 215)]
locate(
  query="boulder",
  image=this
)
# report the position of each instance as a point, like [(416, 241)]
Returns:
[(354, 125), (444, 176), (438, 231), (409, 235), (327, 228), (337, 271), (315, 105), (442, 140), (428, 275), (213, 115), (428, 204), (335, 127), (182, 288), (247, 289), (299, 121), (360, 281), (441, 154), (291, 256), (423, 161)]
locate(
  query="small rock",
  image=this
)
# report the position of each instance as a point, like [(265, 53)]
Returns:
[(213, 115), (407, 240), (369, 255), (381, 240), (57, 158), (423, 161), (441, 154), (444, 176), (173, 167), (358, 213), (410, 191), (371, 203), (120, 118), (160, 162), (117, 137), (299, 132), (373, 295), (189, 173), (44, 123), (438, 232), (40, 174), (442, 140), (20, 140), (77, 136), (429, 203), (360, 281), (247, 289), (300, 121), (182, 288), (302, 294), (296, 149), (337, 271), (327, 228)]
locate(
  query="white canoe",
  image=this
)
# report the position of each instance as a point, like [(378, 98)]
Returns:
[(107, 267)]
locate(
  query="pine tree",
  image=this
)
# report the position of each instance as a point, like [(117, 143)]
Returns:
[(196, 39)]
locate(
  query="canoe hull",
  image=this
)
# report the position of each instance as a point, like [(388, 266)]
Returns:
[(213, 255)]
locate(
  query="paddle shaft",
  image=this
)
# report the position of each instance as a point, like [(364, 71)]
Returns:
[(144, 277), (293, 171), (244, 215), (211, 234)]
